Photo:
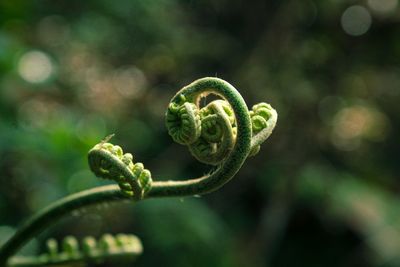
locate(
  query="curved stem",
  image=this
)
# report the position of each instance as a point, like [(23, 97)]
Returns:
[(205, 184), (54, 212)]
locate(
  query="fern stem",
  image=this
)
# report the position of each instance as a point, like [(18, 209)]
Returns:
[(48, 216), (184, 122)]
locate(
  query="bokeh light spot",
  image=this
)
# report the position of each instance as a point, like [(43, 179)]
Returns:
[(35, 67), (129, 82), (383, 6), (357, 122), (356, 20)]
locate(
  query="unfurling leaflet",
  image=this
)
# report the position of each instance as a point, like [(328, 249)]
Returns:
[(109, 162), (69, 251), (263, 117)]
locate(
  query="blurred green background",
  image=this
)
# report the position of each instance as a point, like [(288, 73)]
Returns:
[(323, 191)]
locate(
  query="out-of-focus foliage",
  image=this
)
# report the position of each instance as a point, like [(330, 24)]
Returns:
[(323, 191)]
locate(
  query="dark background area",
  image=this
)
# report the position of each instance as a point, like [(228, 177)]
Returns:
[(324, 189)]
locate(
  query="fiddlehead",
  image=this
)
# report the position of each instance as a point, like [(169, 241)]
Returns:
[(109, 162), (217, 125), (108, 247), (224, 133), (183, 121), (263, 120)]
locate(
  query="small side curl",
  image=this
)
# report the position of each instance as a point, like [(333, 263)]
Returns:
[(263, 118), (259, 115), (183, 122), (109, 162)]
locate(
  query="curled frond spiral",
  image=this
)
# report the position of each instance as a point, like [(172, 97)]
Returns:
[(218, 127)]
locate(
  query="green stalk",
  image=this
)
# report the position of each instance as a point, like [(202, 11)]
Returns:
[(108, 161)]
